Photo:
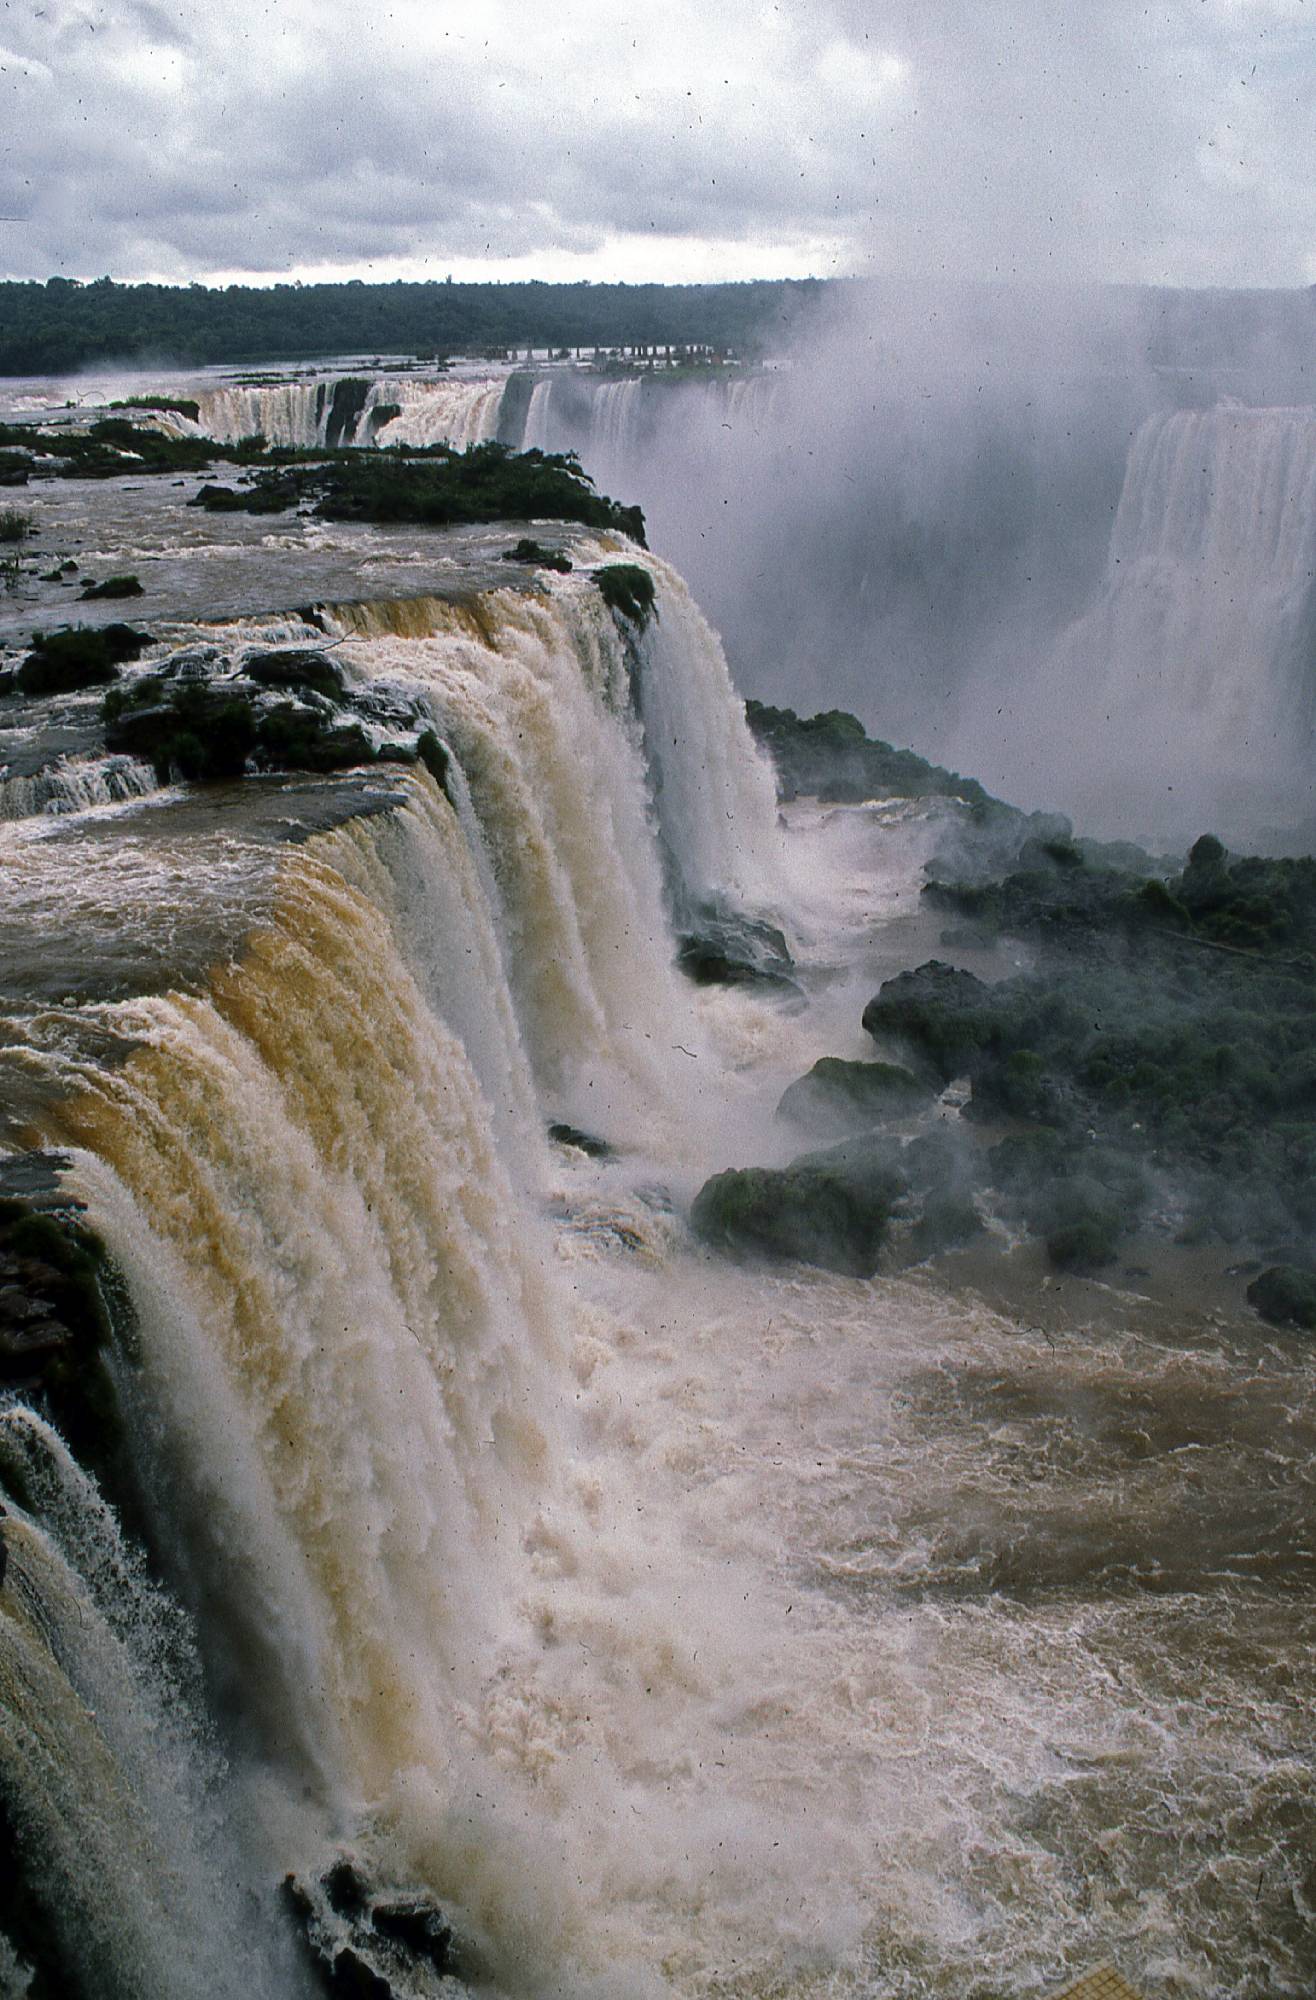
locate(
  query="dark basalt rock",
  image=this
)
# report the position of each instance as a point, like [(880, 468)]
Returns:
[(727, 949), (418, 1927), (831, 1208), (582, 1142), (296, 667), (61, 1303), (1286, 1296), (345, 1887), (219, 499), (350, 1978), (532, 552), (363, 1945), (113, 586), (848, 1096)]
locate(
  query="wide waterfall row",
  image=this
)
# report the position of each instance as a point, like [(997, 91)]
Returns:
[(349, 409), (320, 1170), (606, 421)]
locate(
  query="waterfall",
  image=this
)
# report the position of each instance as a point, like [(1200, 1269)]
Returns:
[(532, 694), (317, 1158), (536, 433), (109, 1779), (715, 791), (609, 447), (342, 410), (1195, 663), (459, 413)]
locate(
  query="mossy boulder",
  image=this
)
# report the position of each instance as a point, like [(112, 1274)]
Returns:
[(296, 667), (295, 738), (1286, 1296), (840, 1096), (946, 1015), (832, 1209), (726, 948)]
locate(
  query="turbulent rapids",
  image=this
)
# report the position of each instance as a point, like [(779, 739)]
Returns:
[(455, 1575)]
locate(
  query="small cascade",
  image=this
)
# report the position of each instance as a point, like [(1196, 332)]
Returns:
[(72, 784)]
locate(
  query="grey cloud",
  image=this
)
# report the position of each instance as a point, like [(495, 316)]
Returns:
[(1105, 141)]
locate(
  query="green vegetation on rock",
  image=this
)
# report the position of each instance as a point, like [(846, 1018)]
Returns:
[(436, 488), (838, 1095), (628, 590), (78, 656), (532, 552), (832, 757), (181, 406), (831, 1209)]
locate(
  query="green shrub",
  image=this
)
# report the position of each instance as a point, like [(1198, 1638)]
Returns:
[(79, 656)]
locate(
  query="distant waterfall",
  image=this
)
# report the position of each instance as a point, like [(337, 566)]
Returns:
[(536, 434), (1199, 655), (347, 410), (458, 413)]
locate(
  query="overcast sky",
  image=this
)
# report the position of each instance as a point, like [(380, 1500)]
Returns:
[(685, 139)]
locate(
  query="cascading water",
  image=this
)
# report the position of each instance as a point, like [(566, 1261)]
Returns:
[(347, 410), (73, 784), (535, 697), (1195, 670), (106, 1766)]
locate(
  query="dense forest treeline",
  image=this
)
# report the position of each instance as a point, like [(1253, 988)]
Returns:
[(60, 325)]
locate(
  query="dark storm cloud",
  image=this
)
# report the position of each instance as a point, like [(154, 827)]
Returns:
[(1150, 144)]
